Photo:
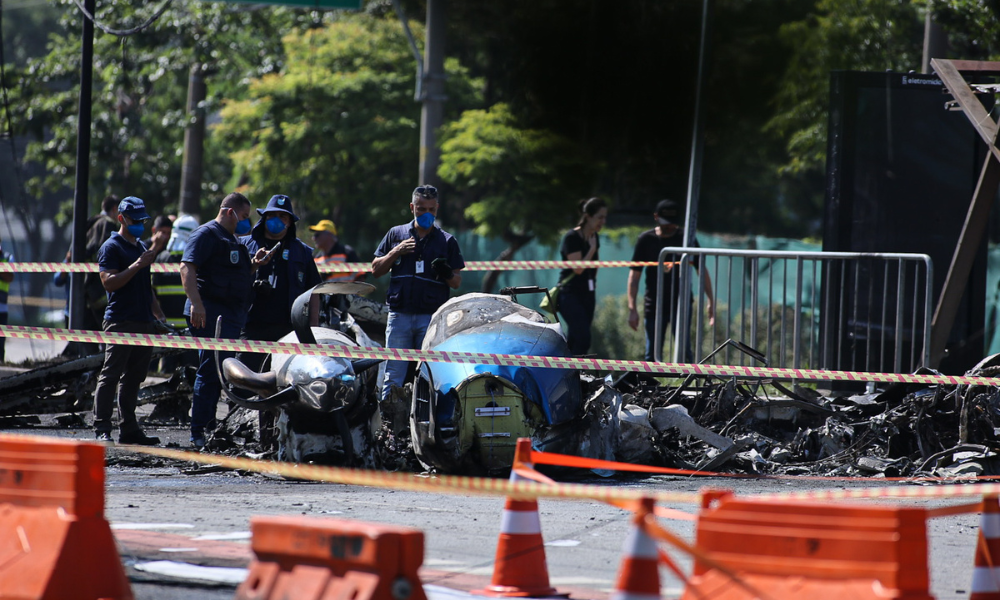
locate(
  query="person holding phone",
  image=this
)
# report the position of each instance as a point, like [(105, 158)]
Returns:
[(287, 271), (425, 264)]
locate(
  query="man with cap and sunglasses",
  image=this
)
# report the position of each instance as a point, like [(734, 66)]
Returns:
[(132, 308), (330, 251), (281, 280), (425, 264), (666, 234)]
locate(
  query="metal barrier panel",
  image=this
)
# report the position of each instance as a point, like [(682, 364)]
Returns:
[(813, 310)]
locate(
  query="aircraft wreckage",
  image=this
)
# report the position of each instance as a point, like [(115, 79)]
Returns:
[(465, 418)]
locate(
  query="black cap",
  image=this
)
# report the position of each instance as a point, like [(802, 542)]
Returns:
[(133, 208), (279, 203), (668, 211)]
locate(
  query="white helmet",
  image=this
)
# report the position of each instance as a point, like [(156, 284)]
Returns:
[(182, 229)]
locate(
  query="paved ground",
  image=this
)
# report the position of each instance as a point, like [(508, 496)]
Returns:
[(183, 528)]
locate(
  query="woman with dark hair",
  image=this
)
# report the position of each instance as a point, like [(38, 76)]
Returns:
[(577, 297)]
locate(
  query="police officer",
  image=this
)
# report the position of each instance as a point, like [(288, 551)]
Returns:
[(425, 264), (124, 269), (290, 272), (216, 271)]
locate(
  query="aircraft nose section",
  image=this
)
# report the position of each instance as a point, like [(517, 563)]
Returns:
[(328, 394)]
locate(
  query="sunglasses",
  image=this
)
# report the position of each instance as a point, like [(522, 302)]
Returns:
[(427, 192)]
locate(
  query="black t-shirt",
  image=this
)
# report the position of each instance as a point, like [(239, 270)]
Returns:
[(584, 282), (647, 249)]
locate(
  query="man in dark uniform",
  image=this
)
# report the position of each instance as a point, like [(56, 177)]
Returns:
[(425, 264), (132, 308), (666, 234), (290, 272), (216, 271)]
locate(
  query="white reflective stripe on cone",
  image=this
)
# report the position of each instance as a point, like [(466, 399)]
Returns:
[(520, 522), (632, 596), (985, 580), (990, 525), (640, 545)]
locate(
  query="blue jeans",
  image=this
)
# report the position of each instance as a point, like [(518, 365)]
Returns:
[(403, 330), (207, 387)]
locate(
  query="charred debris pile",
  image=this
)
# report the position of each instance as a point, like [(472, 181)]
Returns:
[(773, 428)]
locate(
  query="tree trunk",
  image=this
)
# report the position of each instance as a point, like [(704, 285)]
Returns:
[(516, 243)]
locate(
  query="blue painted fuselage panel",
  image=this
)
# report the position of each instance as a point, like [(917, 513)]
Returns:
[(555, 391)]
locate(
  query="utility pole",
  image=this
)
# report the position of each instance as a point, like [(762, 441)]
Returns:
[(82, 189), (194, 142), (432, 113), (697, 142), (935, 41)]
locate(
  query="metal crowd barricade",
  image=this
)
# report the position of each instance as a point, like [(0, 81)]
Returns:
[(820, 310)]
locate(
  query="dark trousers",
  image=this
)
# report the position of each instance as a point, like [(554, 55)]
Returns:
[(123, 372), (207, 387), (263, 333), (3, 341), (577, 309), (649, 324)]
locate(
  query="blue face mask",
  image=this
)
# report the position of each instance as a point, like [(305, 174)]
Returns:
[(135, 230), (274, 225), (425, 220), (243, 227)]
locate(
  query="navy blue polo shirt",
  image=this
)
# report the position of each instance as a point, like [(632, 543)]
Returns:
[(223, 266), (134, 300), (413, 290)]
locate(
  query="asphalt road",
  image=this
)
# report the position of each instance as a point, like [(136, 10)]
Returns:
[(168, 514)]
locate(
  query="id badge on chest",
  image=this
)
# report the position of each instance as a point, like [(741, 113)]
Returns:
[(590, 284), (420, 266)]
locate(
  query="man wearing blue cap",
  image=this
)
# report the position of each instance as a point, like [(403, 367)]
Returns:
[(132, 308), (278, 283)]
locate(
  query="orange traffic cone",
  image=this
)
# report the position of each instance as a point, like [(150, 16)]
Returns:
[(519, 569), (986, 575), (639, 576)]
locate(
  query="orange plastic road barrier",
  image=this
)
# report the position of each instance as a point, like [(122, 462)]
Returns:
[(332, 559), (810, 550), (639, 575), (54, 540), (520, 569), (986, 575)]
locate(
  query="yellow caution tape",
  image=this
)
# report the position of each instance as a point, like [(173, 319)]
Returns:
[(442, 484), (472, 265), (542, 362)]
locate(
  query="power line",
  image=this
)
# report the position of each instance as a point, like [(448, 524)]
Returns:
[(123, 32)]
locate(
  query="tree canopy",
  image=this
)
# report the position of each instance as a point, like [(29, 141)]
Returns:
[(337, 128)]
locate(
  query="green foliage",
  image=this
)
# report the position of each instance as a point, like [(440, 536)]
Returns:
[(973, 27), (514, 179), (139, 93), (611, 337), (866, 35), (337, 129)]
